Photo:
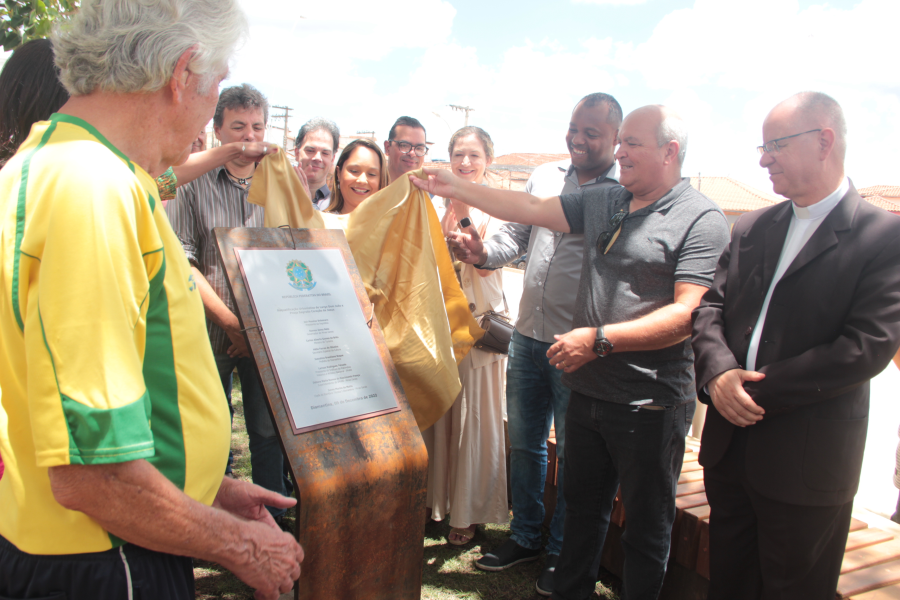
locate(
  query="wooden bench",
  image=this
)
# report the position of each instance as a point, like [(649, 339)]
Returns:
[(870, 571)]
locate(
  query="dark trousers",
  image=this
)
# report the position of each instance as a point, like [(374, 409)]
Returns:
[(96, 576), (608, 444), (761, 548)]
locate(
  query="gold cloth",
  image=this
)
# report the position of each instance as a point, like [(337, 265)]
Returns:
[(399, 249)]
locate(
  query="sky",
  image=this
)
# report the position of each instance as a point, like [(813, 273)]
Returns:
[(524, 65)]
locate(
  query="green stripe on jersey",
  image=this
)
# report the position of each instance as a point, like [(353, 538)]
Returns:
[(159, 375), (62, 118), (102, 436), (20, 222)]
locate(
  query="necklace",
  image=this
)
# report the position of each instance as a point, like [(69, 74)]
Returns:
[(239, 180)]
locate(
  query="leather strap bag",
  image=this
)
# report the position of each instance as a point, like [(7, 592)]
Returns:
[(498, 331)]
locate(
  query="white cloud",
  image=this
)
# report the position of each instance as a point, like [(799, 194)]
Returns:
[(321, 50), (525, 101), (723, 65), (742, 59), (611, 2)]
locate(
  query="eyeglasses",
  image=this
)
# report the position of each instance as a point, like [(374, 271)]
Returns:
[(406, 148), (609, 237), (772, 146)]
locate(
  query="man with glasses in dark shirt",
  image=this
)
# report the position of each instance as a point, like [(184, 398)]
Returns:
[(405, 147)]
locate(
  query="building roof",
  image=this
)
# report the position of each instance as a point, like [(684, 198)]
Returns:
[(885, 191), (884, 203), (441, 164), (732, 195), (526, 159)]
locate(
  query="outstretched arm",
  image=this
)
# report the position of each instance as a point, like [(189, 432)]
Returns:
[(518, 207), (202, 162)]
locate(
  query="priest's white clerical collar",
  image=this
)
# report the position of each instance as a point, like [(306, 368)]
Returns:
[(821, 208)]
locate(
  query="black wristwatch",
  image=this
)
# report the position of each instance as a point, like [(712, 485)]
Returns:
[(602, 346), (465, 222)]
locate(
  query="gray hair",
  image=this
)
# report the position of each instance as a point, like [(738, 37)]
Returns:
[(132, 46), (673, 128), (243, 96), (317, 124), (824, 111)]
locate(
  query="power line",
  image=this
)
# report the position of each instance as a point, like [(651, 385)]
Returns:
[(465, 109), (287, 111)]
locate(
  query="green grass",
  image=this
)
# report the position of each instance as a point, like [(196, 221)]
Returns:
[(448, 573)]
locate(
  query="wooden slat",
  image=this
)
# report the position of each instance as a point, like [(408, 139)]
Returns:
[(889, 593), (870, 556), (690, 501), (691, 466), (856, 524), (687, 533), (871, 578), (702, 566), (866, 537), (693, 487), (691, 476), (692, 457)]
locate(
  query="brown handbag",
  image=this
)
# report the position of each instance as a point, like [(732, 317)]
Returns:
[(498, 330)]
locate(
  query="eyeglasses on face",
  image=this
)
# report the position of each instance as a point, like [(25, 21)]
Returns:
[(772, 146), (609, 237), (406, 147)]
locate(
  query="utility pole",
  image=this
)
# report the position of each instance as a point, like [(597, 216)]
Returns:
[(465, 109), (285, 116)]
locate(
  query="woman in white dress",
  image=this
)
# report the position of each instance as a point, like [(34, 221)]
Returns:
[(467, 454)]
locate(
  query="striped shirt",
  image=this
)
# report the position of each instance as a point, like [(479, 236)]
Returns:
[(211, 200)]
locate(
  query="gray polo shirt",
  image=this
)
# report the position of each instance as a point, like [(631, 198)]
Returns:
[(680, 237), (554, 258)]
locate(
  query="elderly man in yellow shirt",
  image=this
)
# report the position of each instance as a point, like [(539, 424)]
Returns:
[(113, 427)]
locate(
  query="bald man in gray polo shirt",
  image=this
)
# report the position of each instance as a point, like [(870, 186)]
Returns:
[(650, 251)]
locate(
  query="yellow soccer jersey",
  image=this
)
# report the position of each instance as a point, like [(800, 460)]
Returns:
[(104, 355)]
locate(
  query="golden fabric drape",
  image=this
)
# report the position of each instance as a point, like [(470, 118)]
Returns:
[(399, 249)]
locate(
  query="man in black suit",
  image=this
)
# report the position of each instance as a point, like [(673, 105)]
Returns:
[(803, 311)]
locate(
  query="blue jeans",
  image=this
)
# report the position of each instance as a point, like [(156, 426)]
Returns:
[(267, 462), (642, 449), (535, 398)]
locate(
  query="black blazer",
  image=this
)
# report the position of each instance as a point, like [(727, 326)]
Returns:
[(833, 323)]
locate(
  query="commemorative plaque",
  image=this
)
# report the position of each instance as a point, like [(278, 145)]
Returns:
[(315, 333), (355, 451)]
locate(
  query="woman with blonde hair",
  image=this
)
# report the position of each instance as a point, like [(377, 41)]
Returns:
[(467, 457)]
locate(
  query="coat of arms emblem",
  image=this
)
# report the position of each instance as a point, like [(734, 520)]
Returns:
[(300, 276)]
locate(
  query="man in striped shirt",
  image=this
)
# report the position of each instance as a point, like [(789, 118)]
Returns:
[(219, 199)]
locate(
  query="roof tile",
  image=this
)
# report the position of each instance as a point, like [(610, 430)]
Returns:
[(732, 195)]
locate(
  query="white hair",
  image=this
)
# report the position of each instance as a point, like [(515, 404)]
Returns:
[(132, 46), (673, 128)]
